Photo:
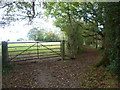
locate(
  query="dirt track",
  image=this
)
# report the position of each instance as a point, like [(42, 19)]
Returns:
[(45, 74)]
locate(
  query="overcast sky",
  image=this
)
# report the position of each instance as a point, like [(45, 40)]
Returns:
[(20, 29)]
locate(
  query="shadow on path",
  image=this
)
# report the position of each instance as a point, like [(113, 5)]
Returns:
[(52, 73)]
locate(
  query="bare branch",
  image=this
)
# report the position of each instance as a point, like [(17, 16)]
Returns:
[(6, 4)]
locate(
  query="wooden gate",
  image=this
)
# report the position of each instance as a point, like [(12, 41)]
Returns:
[(24, 51)]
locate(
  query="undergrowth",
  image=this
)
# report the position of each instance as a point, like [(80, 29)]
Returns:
[(99, 78), (6, 69)]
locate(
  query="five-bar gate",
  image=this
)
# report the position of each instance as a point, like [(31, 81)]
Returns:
[(24, 51)]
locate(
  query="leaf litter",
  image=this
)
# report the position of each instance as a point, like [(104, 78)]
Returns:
[(60, 74)]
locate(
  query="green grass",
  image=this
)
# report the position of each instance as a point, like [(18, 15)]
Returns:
[(43, 51), (20, 47)]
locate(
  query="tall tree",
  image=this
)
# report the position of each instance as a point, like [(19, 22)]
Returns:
[(69, 23), (43, 35), (112, 37), (71, 14)]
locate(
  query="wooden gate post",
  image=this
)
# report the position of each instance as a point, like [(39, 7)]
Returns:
[(63, 49), (5, 53), (38, 49)]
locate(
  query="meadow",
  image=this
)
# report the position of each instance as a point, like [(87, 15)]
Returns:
[(27, 50)]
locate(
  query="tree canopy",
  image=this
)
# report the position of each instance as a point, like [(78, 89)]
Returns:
[(102, 19), (43, 35)]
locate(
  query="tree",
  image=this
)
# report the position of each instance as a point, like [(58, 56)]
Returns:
[(20, 39), (105, 26), (65, 20), (36, 34), (97, 21), (70, 15), (42, 35), (111, 57), (19, 10)]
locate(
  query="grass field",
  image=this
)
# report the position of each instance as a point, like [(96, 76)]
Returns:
[(33, 50)]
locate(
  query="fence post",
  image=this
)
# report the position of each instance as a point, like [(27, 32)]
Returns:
[(37, 50), (63, 49), (4, 53)]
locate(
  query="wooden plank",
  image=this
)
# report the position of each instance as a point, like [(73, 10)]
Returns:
[(24, 60), (49, 49), (50, 53), (19, 46), (20, 42), (53, 45), (47, 54), (63, 49), (33, 50), (25, 57), (25, 54), (4, 52), (22, 50), (41, 42)]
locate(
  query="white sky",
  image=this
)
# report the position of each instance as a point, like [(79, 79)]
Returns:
[(20, 30), (14, 32)]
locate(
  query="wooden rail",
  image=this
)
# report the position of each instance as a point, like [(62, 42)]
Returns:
[(22, 51)]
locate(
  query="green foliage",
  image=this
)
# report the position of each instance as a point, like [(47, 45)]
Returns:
[(34, 33), (50, 36), (103, 16), (19, 10), (101, 22), (42, 35), (20, 39), (63, 12), (69, 16), (6, 69), (99, 78), (74, 40), (113, 36)]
